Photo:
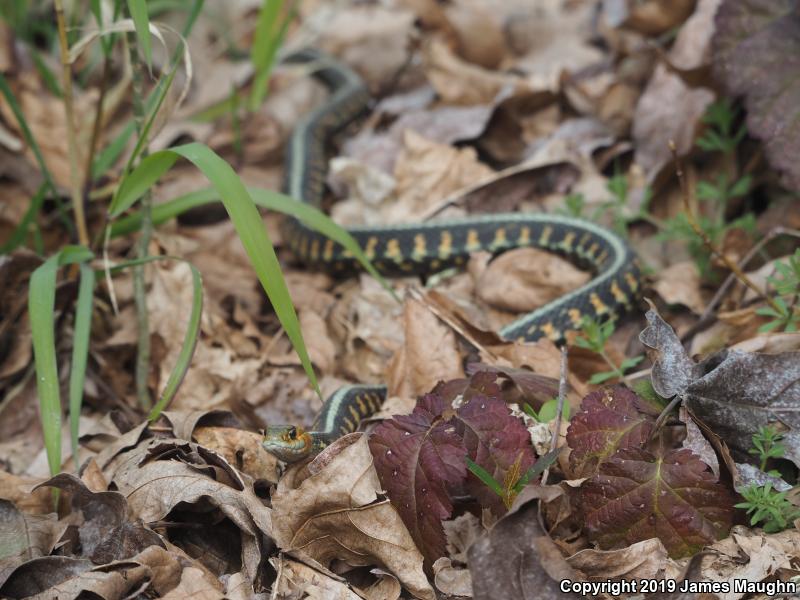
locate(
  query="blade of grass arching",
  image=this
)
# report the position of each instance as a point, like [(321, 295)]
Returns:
[(80, 353), (485, 477), (138, 12), (270, 200), (318, 220), (41, 309), (246, 219), (24, 228), (189, 339)]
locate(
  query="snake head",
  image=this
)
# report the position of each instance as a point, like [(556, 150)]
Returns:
[(288, 443)]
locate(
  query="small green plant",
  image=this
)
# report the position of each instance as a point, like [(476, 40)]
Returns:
[(719, 135), (784, 315), (715, 195), (617, 206), (547, 412), (514, 481), (768, 507), (766, 445), (594, 338)]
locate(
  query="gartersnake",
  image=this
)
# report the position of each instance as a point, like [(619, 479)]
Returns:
[(429, 247)]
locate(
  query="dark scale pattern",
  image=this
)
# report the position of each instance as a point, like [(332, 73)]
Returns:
[(428, 247)]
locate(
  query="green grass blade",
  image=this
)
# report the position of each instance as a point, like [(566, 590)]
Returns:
[(80, 354), (138, 12), (313, 217), (41, 309), (246, 219), (269, 35), (189, 339), (485, 477), (23, 229)]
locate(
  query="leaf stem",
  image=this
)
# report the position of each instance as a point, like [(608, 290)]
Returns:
[(69, 110), (139, 284), (732, 266)]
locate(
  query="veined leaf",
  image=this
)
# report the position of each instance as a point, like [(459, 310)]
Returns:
[(671, 495), (609, 419)]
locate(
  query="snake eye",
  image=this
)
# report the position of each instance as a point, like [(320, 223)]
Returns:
[(292, 433)]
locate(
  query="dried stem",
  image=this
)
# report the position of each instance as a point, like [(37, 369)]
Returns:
[(708, 317), (562, 395), (98, 122), (139, 283), (72, 143), (732, 266)]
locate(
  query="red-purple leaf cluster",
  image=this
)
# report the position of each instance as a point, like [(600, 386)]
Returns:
[(640, 488), (421, 457)]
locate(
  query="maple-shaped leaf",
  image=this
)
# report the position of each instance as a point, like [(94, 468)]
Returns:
[(418, 457), (672, 495), (610, 419)]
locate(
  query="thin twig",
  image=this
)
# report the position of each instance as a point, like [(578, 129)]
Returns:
[(562, 394), (732, 266), (707, 317), (69, 110)]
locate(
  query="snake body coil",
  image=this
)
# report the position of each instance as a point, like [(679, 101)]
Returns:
[(429, 247)]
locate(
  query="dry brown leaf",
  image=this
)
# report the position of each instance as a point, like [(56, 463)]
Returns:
[(642, 560), (335, 513), (371, 39), (654, 17), (427, 172), (478, 31), (240, 448), (669, 109), (555, 40), (524, 279), (455, 581), (428, 355), (196, 585), (296, 579), (161, 474), (680, 284), (459, 82), (750, 555), (45, 117)]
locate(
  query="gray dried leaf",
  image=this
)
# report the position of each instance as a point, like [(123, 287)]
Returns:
[(750, 475), (747, 391), (673, 369), (517, 559)]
